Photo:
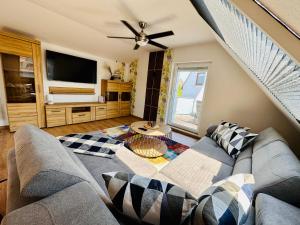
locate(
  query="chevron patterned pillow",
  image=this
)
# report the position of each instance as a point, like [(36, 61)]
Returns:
[(221, 129), (148, 200), (233, 138), (227, 201)]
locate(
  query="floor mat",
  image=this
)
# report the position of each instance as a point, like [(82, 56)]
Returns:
[(123, 133)]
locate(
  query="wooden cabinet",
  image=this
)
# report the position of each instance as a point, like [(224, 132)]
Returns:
[(60, 114), (21, 61), (101, 112), (81, 117), (21, 114), (56, 117), (118, 96)]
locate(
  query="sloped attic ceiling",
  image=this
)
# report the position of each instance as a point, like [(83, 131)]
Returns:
[(274, 70), (287, 11), (84, 24)]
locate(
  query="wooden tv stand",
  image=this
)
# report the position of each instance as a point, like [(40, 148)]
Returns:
[(60, 114)]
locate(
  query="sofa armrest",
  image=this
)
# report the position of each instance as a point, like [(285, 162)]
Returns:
[(78, 204), (270, 211)]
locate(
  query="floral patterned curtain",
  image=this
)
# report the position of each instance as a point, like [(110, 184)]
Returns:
[(164, 86), (121, 70), (133, 75)]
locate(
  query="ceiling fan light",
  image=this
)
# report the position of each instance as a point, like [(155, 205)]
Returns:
[(142, 42)]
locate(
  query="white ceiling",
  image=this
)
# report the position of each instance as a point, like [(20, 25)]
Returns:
[(84, 24)]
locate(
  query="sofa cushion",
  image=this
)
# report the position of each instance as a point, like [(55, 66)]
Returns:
[(195, 171), (270, 211), (14, 199), (100, 190), (148, 200), (243, 163), (275, 167), (44, 166), (222, 129), (77, 204), (235, 139), (266, 137), (210, 148), (226, 202)]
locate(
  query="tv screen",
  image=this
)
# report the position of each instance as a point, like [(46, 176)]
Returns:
[(69, 68)]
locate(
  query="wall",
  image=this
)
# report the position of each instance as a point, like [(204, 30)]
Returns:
[(102, 73), (141, 81), (232, 95)]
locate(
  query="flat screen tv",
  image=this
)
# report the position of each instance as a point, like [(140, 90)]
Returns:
[(69, 68)]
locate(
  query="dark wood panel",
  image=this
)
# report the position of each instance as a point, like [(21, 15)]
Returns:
[(153, 84)]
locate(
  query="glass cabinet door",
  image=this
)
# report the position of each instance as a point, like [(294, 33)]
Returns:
[(112, 96), (125, 96), (19, 79)]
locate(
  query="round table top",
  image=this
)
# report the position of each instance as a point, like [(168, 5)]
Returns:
[(162, 130)]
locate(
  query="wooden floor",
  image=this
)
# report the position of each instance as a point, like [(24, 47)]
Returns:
[(7, 142)]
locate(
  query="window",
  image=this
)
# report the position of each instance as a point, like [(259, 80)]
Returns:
[(200, 79)]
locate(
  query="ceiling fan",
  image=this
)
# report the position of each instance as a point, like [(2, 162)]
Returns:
[(141, 38)]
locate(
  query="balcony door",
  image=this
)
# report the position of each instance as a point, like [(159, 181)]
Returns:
[(188, 86)]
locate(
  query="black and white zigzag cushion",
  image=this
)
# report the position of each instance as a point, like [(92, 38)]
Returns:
[(227, 201), (233, 138), (239, 139), (148, 200), (221, 129)]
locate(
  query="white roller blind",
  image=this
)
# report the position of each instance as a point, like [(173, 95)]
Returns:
[(270, 64)]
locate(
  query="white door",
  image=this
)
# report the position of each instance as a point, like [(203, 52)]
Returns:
[(188, 86)]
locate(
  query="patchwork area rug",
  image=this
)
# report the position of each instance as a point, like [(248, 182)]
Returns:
[(123, 133)]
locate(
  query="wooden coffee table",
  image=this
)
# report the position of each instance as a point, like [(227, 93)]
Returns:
[(149, 144)]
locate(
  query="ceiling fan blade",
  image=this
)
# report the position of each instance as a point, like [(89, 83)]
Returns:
[(159, 35), (121, 37), (130, 27), (136, 47), (157, 44)]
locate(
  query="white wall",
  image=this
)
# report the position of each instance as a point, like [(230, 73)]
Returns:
[(141, 83), (102, 73)]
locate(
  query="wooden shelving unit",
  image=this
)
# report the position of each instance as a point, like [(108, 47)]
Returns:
[(21, 58), (118, 95), (60, 114)]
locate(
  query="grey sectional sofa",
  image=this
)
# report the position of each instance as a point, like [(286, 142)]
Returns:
[(48, 184)]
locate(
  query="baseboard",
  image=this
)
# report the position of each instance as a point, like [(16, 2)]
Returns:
[(5, 127), (137, 117), (184, 132)]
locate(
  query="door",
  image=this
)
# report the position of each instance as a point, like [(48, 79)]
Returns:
[(188, 86)]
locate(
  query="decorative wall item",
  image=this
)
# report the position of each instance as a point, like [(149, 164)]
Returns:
[(133, 75), (119, 73), (164, 86), (108, 68)]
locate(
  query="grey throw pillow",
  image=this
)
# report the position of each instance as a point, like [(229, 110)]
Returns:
[(226, 202), (148, 200)]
